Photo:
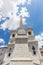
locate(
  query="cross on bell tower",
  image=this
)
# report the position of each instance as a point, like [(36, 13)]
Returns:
[(21, 22)]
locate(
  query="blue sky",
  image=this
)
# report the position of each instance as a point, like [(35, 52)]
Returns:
[(32, 12)]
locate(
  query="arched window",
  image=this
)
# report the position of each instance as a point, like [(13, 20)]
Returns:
[(9, 54), (0, 53), (13, 35), (33, 48), (10, 48), (29, 33), (34, 52)]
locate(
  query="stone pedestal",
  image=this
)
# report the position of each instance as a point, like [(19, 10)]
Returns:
[(21, 55)]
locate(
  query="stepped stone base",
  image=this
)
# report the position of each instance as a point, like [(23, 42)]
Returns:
[(21, 61)]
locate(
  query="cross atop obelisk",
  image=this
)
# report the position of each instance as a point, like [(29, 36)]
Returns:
[(21, 22)]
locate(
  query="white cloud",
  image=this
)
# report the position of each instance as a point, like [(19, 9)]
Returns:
[(24, 12), (23, 2), (20, 2), (4, 25), (29, 2), (39, 38), (1, 3), (0, 17), (2, 41), (10, 9)]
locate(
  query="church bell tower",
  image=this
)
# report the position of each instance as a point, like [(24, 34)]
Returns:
[(26, 47)]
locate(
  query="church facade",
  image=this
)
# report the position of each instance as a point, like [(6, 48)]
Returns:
[(22, 48)]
